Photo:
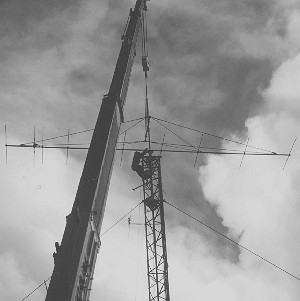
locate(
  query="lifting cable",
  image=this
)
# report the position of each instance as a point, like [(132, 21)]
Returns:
[(145, 64)]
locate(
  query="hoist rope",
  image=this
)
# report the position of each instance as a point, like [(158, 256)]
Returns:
[(144, 32), (145, 69)]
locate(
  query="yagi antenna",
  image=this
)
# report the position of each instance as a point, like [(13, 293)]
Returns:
[(289, 154), (164, 147)]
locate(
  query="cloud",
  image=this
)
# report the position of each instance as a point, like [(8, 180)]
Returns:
[(283, 94), (258, 203), (14, 284)]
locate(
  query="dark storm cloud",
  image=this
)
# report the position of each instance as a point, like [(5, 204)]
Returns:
[(240, 82), (19, 19), (47, 60), (20, 12), (82, 80), (186, 40), (223, 87)]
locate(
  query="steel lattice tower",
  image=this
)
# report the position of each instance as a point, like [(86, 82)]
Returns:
[(157, 264)]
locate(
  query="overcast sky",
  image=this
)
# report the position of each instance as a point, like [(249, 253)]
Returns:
[(230, 68)]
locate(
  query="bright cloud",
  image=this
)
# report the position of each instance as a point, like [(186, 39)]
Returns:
[(259, 202)]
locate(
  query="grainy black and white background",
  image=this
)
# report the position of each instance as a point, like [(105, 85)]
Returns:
[(231, 68)]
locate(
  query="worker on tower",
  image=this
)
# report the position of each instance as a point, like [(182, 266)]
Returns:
[(57, 247), (137, 165)]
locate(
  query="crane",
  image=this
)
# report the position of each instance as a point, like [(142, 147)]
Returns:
[(75, 257)]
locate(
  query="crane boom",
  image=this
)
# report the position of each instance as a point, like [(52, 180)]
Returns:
[(76, 256)]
